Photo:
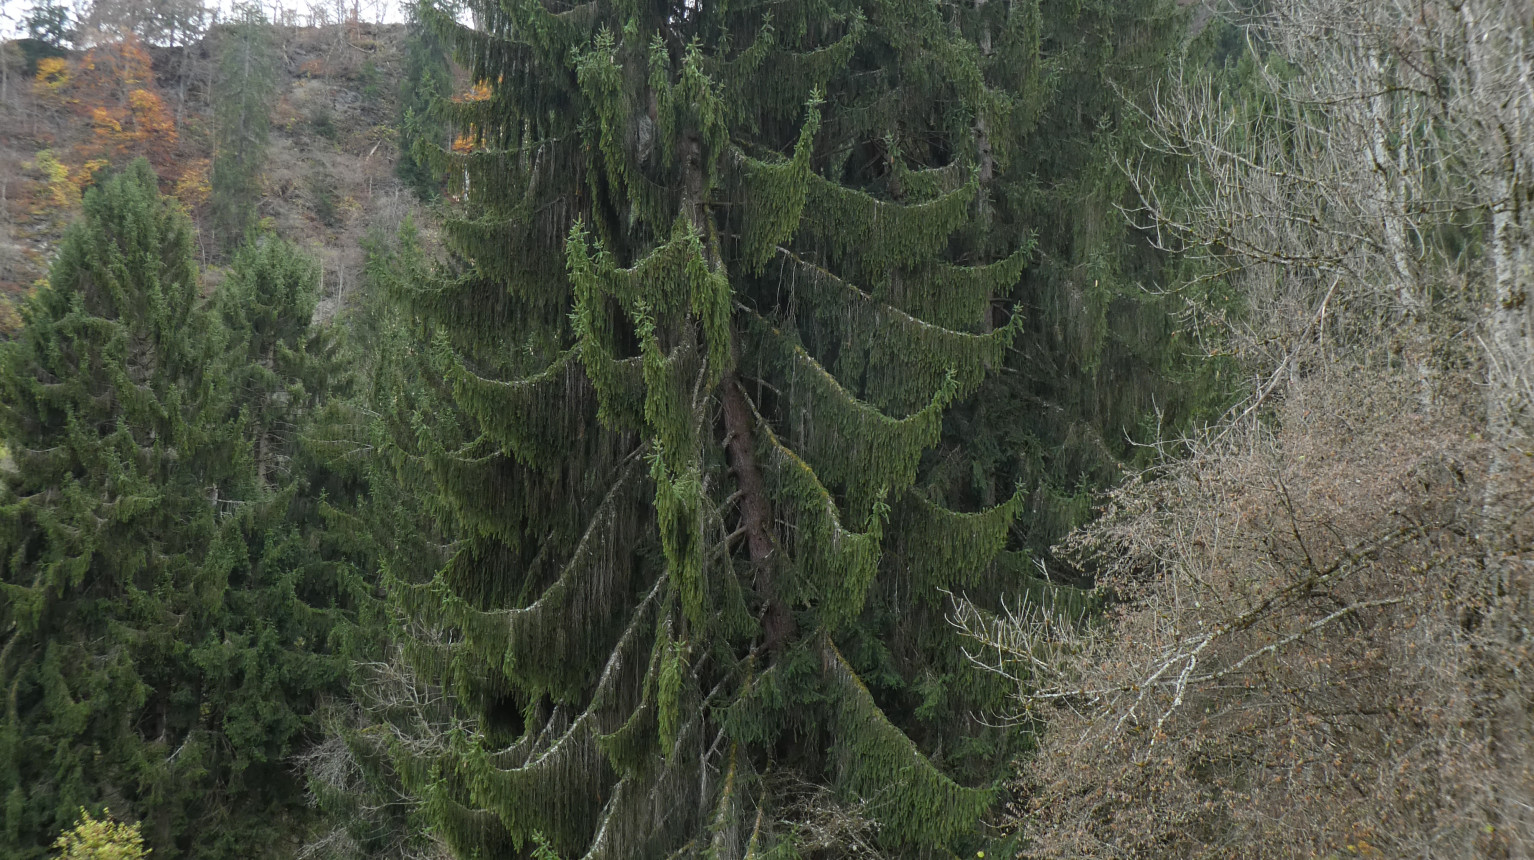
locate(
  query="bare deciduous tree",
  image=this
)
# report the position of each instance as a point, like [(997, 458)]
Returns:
[(1320, 642), (350, 773)]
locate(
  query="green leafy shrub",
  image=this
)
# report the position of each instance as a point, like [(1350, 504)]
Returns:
[(101, 839)]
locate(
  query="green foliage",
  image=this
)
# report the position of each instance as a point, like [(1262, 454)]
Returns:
[(370, 78), (322, 120), (49, 33), (427, 79), (244, 91), (48, 22), (101, 839), (378, 515), (115, 552), (1102, 362), (542, 850), (322, 196), (168, 619), (705, 485)]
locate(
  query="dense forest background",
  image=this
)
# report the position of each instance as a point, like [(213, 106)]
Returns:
[(792, 429)]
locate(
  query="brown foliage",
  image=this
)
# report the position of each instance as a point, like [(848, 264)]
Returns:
[(112, 87), (115, 87), (1320, 644), (1300, 663)]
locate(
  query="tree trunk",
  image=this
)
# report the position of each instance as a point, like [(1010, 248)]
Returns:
[(1501, 95)]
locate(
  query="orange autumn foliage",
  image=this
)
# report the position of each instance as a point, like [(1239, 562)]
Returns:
[(129, 119), (479, 91), (113, 86)]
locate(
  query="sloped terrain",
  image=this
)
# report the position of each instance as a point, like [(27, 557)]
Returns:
[(329, 173)]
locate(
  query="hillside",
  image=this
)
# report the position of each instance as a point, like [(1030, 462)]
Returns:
[(328, 177)]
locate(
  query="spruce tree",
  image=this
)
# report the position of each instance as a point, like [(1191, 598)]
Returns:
[(1103, 364), (427, 79), (722, 272), (243, 94), (49, 33), (281, 364), (170, 616), (281, 643), (116, 534), (379, 512)]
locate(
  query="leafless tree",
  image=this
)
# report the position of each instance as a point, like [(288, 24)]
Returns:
[(159, 22), (1321, 638), (396, 712), (1387, 166)]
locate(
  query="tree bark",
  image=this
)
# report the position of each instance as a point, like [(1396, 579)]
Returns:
[(755, 513), (1500, 101), (755, 510)]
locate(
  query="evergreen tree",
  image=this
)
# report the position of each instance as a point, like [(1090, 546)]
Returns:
[(281, 645), (1103, 362), (723, 272), (116, 534), (170, 617), (49, 33), (48, 22), (243, 94), (281, 363), (427, 80), (380, 515)]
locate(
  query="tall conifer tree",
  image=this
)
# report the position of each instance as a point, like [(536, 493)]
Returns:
[(115, 529), (244, 91), (1103, 363), (427, 79), (379, 509), (165, 624), (725, 268), (280, 644)]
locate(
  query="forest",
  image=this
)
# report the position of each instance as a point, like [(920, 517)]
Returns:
[(766, 430)]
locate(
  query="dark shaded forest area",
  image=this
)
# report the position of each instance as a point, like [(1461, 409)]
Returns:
[(796, 429)]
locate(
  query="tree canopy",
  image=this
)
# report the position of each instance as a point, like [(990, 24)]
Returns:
[(159, 658), (722, 274)]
